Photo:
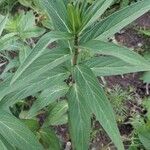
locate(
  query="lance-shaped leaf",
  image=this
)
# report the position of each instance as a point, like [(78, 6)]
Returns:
[(43, 82), (17, 133), (47, 97), (95, 11), (42, 65), (38, 50), (57, 12), (123, 53), (115, 22), (79, 119), (108, 66), (97, 102)]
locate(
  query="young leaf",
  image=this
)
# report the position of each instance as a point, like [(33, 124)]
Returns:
[(95, 11), (17, 133), (115, 22), (38, 50), (108, 65), (123, 53), (7, 41), (24, 25), (79, 119), (97, 102)]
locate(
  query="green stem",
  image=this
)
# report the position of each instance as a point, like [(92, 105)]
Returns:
[(76, 53)]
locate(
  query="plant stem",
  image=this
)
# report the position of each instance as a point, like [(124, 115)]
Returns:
[(76, 44)]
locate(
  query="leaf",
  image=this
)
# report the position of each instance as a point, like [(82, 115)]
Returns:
[(79, 119), (34, 73), (57, 12), (74, 18), (13, 63), (145, 139), (46, 62), (123, 53), (33, 125), (58, 114), (115, 22), (24, 25), (144, 135), (38, 50), (97, 102), (44, 81), (43, 64), (3, 21), (4, 86), (17, 133), (24, 51), (8, 41), (49, 139), (146, 77), (47, 97), (34, 4), (32, 32), (95, 11), (108, 66)]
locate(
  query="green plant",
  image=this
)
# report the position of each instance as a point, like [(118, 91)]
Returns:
[(118, 98), (78, 28), (19, 30)]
